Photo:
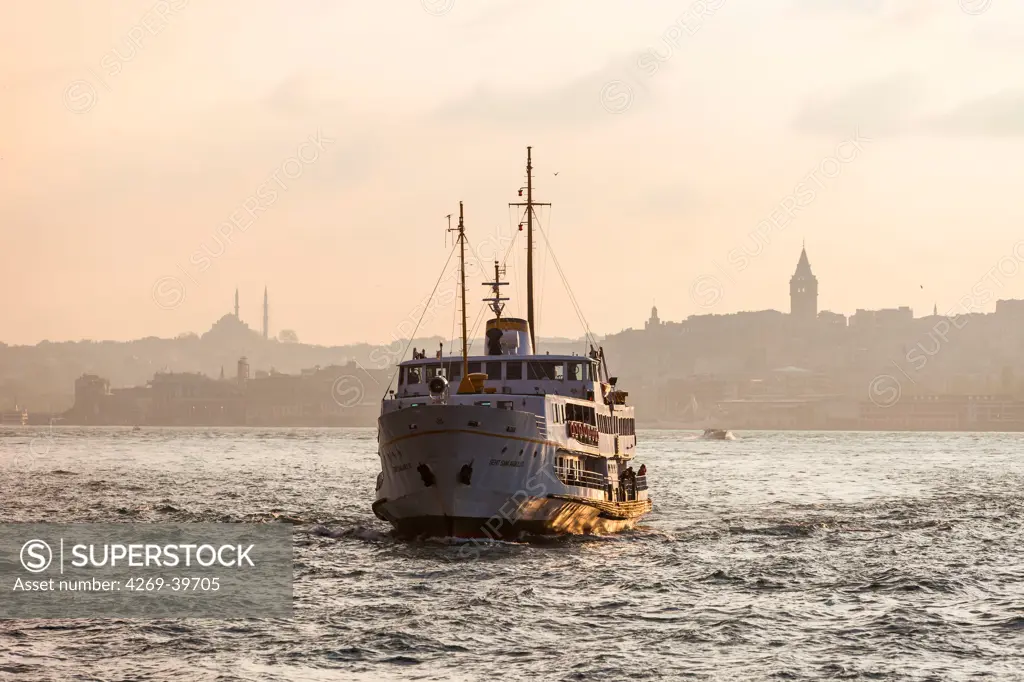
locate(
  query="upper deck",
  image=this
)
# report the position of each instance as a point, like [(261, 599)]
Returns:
[(567, 375)]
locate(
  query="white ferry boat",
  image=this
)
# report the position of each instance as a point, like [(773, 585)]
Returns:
[(510, 442)]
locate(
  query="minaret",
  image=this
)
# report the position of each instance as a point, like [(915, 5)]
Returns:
[(803, 291), (266, 313), (236, 303)]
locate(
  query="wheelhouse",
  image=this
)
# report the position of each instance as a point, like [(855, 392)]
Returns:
[(558, 375)]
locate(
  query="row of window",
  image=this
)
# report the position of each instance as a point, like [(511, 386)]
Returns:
[(622, 426), (496, 371), (605, 423), (571, 412)]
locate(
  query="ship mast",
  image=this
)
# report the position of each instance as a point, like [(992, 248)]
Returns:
[(530, 203), (461, 229)]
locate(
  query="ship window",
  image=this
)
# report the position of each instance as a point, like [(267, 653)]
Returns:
[(494, 370), (545, 370), (504, 404), (414, 375), (453, 370), (514, 370), (575, 371), (474, 368), (433, 371)]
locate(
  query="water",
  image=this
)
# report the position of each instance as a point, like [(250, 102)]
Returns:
[(777, 556)]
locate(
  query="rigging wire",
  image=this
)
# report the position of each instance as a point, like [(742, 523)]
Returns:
[(515, 261), (543, 277), (509, 252), (572, 298), (412, 336)]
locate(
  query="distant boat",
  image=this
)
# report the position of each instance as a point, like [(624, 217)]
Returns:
[(16, 417), (717, 434), (136, 428)]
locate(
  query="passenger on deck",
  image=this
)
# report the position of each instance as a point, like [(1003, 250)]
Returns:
[(643, 470)]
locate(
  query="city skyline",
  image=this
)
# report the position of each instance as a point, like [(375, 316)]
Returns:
[(802, 295)]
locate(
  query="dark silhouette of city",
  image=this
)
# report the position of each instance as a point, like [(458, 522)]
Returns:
[(805, 369)]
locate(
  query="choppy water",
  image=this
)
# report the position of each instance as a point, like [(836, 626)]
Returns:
[(777, 556)]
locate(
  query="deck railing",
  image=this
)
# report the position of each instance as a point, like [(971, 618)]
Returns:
[(581, 478)]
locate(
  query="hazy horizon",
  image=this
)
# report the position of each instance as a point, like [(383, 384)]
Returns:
[(138, 129)]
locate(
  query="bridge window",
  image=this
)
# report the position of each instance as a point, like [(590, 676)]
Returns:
[(514, 370), (494, 370), (575, 371), (553, 371), (453, 370), (474, 368), (412, 375)]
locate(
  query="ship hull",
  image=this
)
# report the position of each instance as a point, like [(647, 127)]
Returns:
[(467, 471)]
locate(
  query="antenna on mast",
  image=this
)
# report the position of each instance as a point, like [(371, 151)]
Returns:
[(529, 204), (496, 302)]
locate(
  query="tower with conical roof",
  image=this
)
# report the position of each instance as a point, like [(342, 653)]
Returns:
[(803, 291)]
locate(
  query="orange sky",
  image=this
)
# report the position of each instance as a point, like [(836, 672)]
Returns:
[(135, 131)]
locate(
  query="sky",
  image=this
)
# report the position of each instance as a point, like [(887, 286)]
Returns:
[(160, 153)]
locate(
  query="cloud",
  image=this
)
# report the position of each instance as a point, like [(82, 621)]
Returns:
[(831, 6), (894, 13), (590, 98), (998, 115), (880, 108)]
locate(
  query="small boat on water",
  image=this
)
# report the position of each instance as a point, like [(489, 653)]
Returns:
[(16, 417), (717, 434), (509, 441)]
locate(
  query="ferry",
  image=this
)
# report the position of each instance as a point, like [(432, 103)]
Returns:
[(511, 442)]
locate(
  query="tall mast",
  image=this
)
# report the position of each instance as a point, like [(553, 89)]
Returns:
[(529, 245), (530, 203), (461, 229)]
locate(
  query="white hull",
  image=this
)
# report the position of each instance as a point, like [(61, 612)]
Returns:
[(511, 488)]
